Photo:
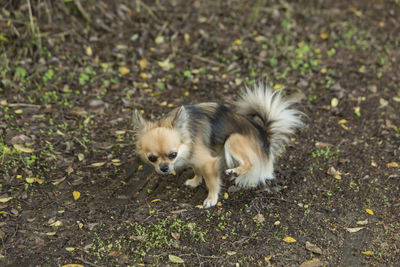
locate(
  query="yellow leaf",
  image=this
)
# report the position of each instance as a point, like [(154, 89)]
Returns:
[(362, 69), (357, 111), (324, 36), (5, 199), (81, 157), (140, 167), (173, 172), (334, 102), (368, 252), (23, 149), (323, 70), (342, 121), (219, 204), (231, 253), (76, 195), (123, 70), (175, 259), (166, 65), (69, 249), (344, 127), (50, 233), (97, 164), (354, 230), (267, 259), (156, 200), (277, 223), (238, 42), (89, 51), (120, 132), (289, 239), (144, 75), (72, 265), (278, 86), (18, 111), (29, 180), (226, 196), (143, 63), (56, 224), (392, 165), (369, 211)]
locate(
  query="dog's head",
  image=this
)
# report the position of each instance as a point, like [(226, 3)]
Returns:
[(160, 143)]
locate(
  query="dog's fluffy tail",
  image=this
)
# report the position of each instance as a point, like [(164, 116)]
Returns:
[(279, 119)]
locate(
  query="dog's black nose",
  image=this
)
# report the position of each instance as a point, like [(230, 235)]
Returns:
[(164, 167)]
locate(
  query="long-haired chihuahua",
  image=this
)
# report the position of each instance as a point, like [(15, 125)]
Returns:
[(213, 138)]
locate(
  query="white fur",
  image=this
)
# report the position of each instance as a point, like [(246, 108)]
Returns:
[(269, 105)]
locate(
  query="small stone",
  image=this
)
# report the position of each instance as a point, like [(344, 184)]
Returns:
[(96, 103)]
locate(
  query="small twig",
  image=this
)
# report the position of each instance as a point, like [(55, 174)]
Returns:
[(206, 60), (80, 142), (140, 3), (23, 105), (87, 262), (31, 17)]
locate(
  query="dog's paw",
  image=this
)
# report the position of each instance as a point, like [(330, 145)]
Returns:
[(194, 182), (231, 172), (210, 201)]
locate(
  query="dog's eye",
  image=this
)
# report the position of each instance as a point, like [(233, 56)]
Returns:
[(152, 158), (172, 155)]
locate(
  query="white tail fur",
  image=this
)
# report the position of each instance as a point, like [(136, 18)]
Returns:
[(280, 120)]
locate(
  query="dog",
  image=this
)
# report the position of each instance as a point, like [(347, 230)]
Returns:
[(242, 141)]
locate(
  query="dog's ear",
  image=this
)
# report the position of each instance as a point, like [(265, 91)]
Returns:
[(180, 119), (140, 124)]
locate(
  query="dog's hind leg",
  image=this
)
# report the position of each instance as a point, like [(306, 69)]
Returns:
[(241, 149)]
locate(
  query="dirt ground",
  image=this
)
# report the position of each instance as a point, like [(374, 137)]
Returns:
[(72, 190)]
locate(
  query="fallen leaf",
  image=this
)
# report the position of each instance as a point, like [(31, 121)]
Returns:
[(69, 249), (81, 157), (312, 263), (278, 86), (364, 222), (343, 121), (123, 70), (369, 211), (289, 239), (97, 164), (56, 224), (33, 180), (354, 230), (334, 102), (357, 111), (392, 165), (259, 218), (5, 199), (18, 111), (143, 63), (175, 259), (324, 36), (268, 258), (89, 51), (362, 69), (333, 172), (72, 265), (166, 64), (219, 204), (277, 223), (176, 236), (313, 248), (58, 181), (396, 99), (76, 195), (69, 170), (238, 42), (144, 75), (51, 233), (156, 200), (368, 252), (23, 149), (231, 253), (383, 102), (159, 39)]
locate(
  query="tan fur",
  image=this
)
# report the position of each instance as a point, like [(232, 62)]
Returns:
[(243, 149)]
